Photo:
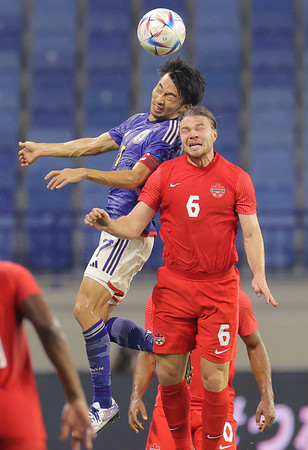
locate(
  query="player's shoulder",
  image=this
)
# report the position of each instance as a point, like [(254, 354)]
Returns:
[(232, 169), (173, 163), (10, 268)]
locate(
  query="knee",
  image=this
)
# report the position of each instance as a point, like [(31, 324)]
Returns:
[(80, 312), (169, 374), (214, 382)]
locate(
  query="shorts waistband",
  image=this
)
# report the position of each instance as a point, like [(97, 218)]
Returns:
[(200, 275)]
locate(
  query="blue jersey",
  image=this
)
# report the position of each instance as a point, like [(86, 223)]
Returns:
[(146, 141)]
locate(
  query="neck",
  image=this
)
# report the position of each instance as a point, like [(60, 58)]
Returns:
[(202, 161)]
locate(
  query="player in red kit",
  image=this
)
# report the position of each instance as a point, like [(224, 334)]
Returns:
[(21, 421), (159, 436), (201, 197)]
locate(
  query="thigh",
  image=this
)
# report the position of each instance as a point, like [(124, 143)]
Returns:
[(174, 314), (90, 301), (116, 261), (171, 368), (218, 327), (159, 436)]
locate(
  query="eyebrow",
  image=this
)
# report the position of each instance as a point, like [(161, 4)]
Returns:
[(167, 93)]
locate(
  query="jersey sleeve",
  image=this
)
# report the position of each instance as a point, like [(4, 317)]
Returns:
[(151, 193), (162, 145), (26, 284), (117, 133), (245, 195), (247, 320), (148, 315)]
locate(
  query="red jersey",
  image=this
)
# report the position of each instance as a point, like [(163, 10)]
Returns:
[(20, 410), (199, 209), (247, 325)]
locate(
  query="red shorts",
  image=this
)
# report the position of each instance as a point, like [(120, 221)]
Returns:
[(202, 311)]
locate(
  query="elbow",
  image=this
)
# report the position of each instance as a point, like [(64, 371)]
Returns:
[(133, 181)]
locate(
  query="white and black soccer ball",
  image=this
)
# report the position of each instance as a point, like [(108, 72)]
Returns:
[(161, 32)]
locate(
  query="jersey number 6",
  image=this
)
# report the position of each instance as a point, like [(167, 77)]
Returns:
[(192, 206)]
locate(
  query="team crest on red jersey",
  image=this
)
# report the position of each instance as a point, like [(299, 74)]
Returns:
[(217, 190), (155, 447), (159, 338)]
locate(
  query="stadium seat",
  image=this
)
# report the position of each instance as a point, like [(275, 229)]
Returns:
[(279, 239), (107, 51), (9, 91), (49, 241), (40, 134), (272, 98), (7, 235), (51, 90), (90, 240), (219, 16), (11, 25)]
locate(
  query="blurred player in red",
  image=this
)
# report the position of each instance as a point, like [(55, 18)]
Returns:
[(159, 436), (21, 421), (201, 197)]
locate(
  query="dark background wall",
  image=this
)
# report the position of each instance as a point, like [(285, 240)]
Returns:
[(289, 431)]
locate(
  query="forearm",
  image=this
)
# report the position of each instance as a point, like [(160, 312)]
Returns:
[(261, 368), (123, 179), (254, 248), (143, 374), (71, 149)]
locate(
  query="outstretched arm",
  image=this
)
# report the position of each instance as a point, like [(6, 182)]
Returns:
[(261, 368), (126, 227), (125, 179), (143, 375), (75, 412), (254, 248), (31, 151)]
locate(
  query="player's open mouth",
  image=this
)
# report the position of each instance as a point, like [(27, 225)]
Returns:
[(157, 108), (194, 145)]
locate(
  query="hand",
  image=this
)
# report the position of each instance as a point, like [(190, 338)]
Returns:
[(75, 422), (136, 406), (63, 177), (266, 408), (259, 285), (30, 152), (98, 218)]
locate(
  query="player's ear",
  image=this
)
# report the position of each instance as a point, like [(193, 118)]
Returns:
[(215, 135), (185, 107)]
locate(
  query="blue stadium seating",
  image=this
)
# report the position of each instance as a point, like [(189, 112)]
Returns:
[(9, 92), (109, 51), (10, 25), (219, 16), (279, 238), (7, 235), (54, 52), (90, 240), (49, 241)]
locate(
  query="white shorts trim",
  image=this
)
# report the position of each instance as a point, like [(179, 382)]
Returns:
[(116, 261)]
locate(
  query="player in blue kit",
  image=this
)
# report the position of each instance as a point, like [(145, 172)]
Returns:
[(143, 142)]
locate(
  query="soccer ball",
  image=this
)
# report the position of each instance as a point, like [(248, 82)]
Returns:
[(161, 32)]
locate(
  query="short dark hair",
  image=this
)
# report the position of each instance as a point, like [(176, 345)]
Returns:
[(189, 82), (200, 111)]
